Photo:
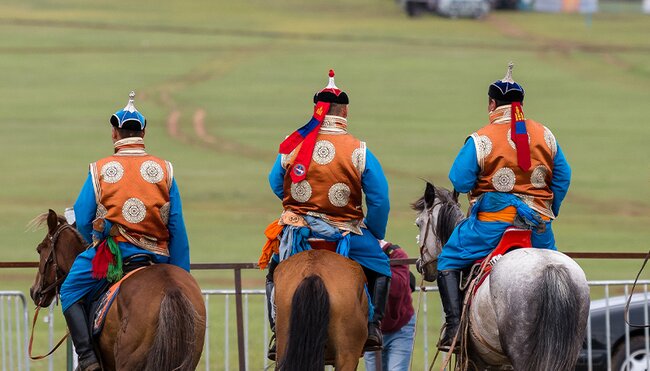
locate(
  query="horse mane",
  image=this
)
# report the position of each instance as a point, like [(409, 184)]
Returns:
[(449, 215), (40, 221)]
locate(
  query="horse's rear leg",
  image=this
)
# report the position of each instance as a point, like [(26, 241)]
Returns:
[(348, 335), (133, 340), (346, 361)]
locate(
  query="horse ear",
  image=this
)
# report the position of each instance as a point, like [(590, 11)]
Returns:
[(429, 195), (455, 195), (52, 221)]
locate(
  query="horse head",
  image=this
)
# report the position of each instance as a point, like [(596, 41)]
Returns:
[(57, 252), (438, 212)]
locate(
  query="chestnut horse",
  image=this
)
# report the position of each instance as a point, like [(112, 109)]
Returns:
[(322, 311), (157, 321)]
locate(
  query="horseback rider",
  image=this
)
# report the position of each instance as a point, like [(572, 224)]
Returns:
[(320, 176), (129, 205), (515, 173)]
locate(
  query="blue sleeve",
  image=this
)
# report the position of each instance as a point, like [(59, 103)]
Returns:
[(375, 187), (179, 246), (276, 178), (85, 209), (561, 180), (465, 170)]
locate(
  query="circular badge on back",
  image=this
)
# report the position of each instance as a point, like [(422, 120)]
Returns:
[(299, 169)]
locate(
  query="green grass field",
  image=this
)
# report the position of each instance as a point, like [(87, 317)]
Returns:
[(417, 88)]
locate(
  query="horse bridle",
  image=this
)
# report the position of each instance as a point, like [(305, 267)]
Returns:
[(423, 247), (59, 275)]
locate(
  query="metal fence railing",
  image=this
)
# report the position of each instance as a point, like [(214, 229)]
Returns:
[(610, 343), (13, 331)]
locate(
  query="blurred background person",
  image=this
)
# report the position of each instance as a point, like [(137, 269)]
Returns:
[(398, 324)]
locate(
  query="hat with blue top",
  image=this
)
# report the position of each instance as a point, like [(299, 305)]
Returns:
[(129, 118), (506, 90)]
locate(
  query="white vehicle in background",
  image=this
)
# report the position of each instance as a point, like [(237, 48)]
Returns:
[(447, 8)]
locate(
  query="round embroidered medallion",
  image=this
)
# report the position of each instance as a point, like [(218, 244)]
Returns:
[(101, 211), (151, 172), (549, 138), (164, 213), (323, 152), (357, 159), (538, 177), (504, 179), (512, 144), (339, 194), (484, 146), (134, 210), (301, 191), (112, 172)]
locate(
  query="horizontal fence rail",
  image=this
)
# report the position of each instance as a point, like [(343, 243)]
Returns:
[(211, 266)]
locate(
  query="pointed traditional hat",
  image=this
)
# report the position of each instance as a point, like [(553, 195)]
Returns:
[(129, 118), (506, 90), (331, 93)]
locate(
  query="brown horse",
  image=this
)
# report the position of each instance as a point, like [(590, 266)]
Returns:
[(157, 321), (322, 312)]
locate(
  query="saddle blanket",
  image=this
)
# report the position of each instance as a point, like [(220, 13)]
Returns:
[(105, 304)]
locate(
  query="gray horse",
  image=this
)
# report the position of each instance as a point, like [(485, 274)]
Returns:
[(529, 314)]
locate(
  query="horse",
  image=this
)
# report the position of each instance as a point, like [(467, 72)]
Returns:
[(530, 313), (157, 321), (322, 312)]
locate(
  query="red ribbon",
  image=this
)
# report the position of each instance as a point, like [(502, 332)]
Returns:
[(303, 159), (520, 138)]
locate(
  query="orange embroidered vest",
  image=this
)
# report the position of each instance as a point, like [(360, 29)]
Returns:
[(497, 158), (332, 188), (132, 192)]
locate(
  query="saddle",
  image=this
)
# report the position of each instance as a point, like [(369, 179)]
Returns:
[(512, 239), (103, 297)]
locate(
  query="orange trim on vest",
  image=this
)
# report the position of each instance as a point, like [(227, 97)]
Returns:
[(332, 187), (497, 159), (132, 192)]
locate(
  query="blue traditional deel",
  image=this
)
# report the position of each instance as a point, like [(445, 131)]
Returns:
[(129, 118), (506, 90)]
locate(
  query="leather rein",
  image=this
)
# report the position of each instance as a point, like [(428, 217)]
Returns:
[(59, 277)]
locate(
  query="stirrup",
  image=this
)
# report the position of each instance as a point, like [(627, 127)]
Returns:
[(447, 347), (271, 352)]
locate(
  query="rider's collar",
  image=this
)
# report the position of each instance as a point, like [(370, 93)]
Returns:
[(501, 115), (334, 123), (129, 147)]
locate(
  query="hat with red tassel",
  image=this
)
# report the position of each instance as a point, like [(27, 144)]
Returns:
[(307, 134), (507, 90)]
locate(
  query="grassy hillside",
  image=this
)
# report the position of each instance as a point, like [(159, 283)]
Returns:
[(417, 89)]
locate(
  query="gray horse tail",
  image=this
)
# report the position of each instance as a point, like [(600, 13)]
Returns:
[(558, 322)]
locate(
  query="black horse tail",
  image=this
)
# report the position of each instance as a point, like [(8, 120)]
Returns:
[(174, 344), (310, 316), (558, 332)]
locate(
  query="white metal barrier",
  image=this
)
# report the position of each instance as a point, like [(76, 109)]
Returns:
[(219, 350), (13, 331)]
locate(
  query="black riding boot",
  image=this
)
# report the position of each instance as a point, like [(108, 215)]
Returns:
[(452, 303), (77, 321), (269, 305), (379, 301)]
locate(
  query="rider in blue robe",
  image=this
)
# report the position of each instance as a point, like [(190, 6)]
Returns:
[(130, 199), (514, 172)]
